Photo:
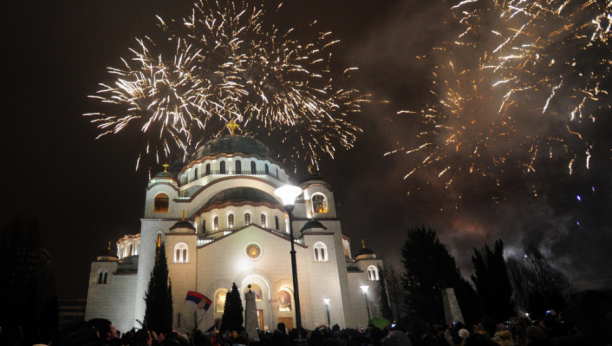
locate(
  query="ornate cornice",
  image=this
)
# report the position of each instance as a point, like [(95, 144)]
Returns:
[(178, 200), (237, 230)]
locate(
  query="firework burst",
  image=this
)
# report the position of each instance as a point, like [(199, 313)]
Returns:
[(530, 76), (231, 62)]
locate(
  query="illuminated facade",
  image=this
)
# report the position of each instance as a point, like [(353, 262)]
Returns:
[(221, 224)]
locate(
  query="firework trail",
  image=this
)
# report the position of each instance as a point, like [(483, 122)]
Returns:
[(526, 80), (231, 62)]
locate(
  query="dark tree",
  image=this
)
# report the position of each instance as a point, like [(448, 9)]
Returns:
[(537, 285), (385, 308), (158, 298), (429, 268), (26, 283), (492, 282), (232, 314)]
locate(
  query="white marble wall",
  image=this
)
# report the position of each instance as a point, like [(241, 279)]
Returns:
[(113, 300)]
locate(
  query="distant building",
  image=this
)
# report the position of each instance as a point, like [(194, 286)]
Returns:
[(221, 224), (71, 311)]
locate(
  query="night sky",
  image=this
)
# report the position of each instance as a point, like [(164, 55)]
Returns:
[(86, 192)]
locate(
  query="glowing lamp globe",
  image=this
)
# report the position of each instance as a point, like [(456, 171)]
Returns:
[(326, 301), (288, 194), (364, 288)]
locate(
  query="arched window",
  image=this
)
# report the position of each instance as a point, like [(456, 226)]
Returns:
[(320, 252), (230, 221), (319, 203), (247, 218), (131, 252), (103, 276), (215, 223), (276, 223), (372, 273), (203, 226), (180, 253), (220, 301), (277, 173), (195, 174), (253, 168), (267, 170), (161, 203), (264, 222), (238, 167), (284, 301), (178, 319), (222, 167), (207, 168)]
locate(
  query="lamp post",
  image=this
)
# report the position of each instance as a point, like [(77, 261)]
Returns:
[(326, 301), (364, 288), (288, 194)]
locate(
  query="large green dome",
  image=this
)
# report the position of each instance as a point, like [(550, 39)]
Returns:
[(233, 145), (241, 195)]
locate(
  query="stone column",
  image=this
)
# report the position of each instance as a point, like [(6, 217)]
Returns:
[(452, 312), (274, 315), (250, 322)]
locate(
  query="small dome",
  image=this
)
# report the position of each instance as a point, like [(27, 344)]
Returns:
[(313, 224), (183, 224), (241, 195), (365, 251), (164, 175), (312, 176), (107, 255), (232, 145)]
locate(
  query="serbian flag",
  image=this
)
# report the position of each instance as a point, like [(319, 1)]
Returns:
[(197, 300)]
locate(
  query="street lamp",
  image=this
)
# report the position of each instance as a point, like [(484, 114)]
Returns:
[(326, 301), (288, 194), (364, 288)]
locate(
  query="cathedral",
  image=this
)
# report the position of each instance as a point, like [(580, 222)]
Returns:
[(221, 223)]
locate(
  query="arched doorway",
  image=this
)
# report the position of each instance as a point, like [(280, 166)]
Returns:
[(262, 300)]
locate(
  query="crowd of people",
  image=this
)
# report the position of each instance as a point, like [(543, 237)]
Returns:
[(519, 331)]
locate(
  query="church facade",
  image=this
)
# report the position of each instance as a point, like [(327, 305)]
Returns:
[(221, 223)]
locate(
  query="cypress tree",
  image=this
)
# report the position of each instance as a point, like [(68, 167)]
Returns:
[(158, 298), (232, 314), (429, 268), (492, 282)]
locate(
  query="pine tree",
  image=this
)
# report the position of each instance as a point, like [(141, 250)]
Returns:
[(385, 309), (158, 298), (492, 282), (232, 314), (429, 268)]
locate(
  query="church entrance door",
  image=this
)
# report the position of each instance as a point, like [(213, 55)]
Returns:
[(288, 321), (260, 319)]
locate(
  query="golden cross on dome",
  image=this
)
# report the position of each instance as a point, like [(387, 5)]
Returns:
[(184, 212), (309, 169), (232, 126), (166, 165), (363, 243), (109, 245), (311, 214)]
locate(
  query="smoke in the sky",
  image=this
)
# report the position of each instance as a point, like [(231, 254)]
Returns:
[(520, 189)]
